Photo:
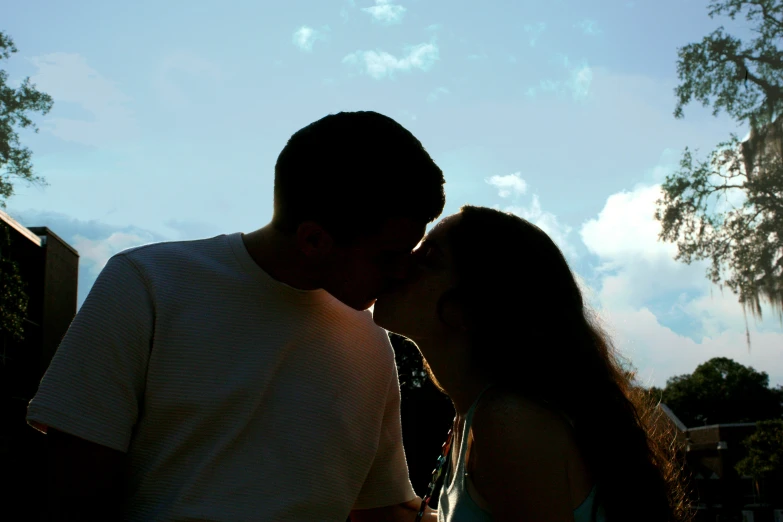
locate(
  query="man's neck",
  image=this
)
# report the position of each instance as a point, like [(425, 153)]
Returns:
[(276, 255)]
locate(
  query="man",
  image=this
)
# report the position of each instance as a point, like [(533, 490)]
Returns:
[(241, 377)]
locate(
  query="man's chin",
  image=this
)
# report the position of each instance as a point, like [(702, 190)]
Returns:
[(367, 305), (380, 312)]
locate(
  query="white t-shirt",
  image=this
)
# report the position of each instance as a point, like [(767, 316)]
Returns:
[(235, 397)]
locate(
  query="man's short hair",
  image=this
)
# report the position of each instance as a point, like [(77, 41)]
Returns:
[(350, 172)]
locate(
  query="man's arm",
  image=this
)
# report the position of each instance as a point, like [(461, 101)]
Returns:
[(88, 400), (84, 479), (405, 512), (387, 483)]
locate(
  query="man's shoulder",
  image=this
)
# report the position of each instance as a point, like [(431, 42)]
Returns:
[(364, 321), (157, 255), (359, 326), (182, 245)]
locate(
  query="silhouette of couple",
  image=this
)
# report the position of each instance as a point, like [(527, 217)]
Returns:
[(243, 377)]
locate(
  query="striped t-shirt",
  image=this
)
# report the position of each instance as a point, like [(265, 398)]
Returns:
[(235, 396)]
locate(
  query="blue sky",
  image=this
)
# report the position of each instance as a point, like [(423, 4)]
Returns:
[(168, 120)]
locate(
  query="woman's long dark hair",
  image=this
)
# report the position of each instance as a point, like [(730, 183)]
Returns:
[(533, 335)]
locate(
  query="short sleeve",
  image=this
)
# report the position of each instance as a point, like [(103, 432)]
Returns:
[(95, 382), (388, 482)]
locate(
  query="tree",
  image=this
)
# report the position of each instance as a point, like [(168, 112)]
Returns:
[(16, 104), (410, 366), (765, 452), (729, 208), (722, 391), (13, 299)]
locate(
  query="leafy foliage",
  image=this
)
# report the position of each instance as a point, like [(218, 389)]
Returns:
[(15, 165), (765, 453), (744, 80), (765, 450), (722, 391), (409, 364), (729, 208), (15, 104), (13, 299), (744, 242)]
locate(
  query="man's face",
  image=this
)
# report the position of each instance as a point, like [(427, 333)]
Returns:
[(359, 273)]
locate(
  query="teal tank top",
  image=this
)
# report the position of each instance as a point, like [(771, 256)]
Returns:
[(455, 503)]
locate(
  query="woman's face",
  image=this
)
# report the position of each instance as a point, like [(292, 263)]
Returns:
[(411, 309)]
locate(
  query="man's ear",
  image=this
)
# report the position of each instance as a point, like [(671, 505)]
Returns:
[(313, 240)]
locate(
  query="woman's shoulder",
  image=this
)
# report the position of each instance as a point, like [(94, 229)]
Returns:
[(521, 446)]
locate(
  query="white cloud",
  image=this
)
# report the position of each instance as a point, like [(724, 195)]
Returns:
[(659, 353), (189, 229), (550, 85), (344, 10), (588, 27), (69, 79), (561, 59), (437, 93), (535, 30), (96, 253), (578, 83), (547, 222), (305, 37), (385, 12), (659, 173), (513, 184), (719, 311), (380, 64), (637, 278), (625, 229), (635, 268), (509, 184)]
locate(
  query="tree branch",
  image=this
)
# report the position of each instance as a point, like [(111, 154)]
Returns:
[(764, 84), (769, 17), (777, 63)]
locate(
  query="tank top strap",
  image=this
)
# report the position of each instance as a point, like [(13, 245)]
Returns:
[(468, 423)]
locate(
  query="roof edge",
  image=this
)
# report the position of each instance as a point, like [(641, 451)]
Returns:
[(26, 232)]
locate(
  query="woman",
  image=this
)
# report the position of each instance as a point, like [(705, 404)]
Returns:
[(548, 427)]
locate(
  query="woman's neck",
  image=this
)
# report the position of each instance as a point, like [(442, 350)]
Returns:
[(461, 382)]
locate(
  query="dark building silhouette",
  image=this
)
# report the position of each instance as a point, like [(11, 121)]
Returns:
[(719, 492), (49, 268)]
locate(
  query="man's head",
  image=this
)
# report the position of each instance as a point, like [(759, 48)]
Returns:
[(356, 190)]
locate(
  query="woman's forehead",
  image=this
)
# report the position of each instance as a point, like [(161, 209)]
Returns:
[(437, 237)]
